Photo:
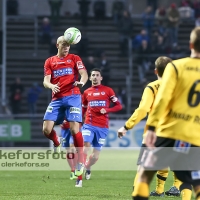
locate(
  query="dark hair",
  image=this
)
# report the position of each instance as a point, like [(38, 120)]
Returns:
[(195, 39), (160, 63), (96, 70)]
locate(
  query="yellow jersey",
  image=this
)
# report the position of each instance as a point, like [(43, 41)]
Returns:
[(145, 105), (176, 110)]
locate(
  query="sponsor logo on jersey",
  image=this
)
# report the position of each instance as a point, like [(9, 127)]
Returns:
[(68, 61), (182, 147), (49, 109), (89, 94), (96, 94), (86, 132), (75, 110), (195, 175), (97, 103), (103, 93), (62, 72), (101, 141), (80, 65)]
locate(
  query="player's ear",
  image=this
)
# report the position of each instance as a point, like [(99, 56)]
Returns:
[(57, 45), (191, 46), (90, 78), (155, 71)]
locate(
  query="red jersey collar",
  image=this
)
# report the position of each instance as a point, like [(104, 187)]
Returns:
[(62, 57), (96, 86)]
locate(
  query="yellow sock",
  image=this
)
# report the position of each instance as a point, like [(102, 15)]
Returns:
[(186, 191), (177, 182), (186, 194), (141, 189), (160, 180), (136, 179)]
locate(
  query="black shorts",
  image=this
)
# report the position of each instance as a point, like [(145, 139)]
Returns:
[(144, 149), (182, 158), (188, 177)]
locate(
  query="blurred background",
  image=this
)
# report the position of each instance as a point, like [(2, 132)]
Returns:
[(122, 37)]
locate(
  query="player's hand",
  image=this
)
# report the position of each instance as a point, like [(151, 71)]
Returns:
[(121, 132), (150, 139), (78, 84), (55, 88), (103, 111)]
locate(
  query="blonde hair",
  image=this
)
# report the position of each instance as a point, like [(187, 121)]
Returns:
[(195, 39), (160, 63)]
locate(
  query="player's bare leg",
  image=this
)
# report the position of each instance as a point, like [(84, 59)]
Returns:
[(92, 160), (71, 157), (50, 133), (80, 178), (78, 143)]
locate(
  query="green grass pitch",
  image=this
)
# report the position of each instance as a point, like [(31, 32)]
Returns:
[(33, 185), (55, 185)]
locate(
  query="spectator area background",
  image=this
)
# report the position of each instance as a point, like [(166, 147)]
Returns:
[(136, 7)]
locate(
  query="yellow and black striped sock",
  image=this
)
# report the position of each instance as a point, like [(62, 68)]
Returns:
[(160, 180), (141, 191), (197, 194), (198, 197), (177, 182), (186, 191)]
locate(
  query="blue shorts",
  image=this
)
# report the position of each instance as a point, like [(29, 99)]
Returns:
[(67, 138), (68, 108), (94, 135)]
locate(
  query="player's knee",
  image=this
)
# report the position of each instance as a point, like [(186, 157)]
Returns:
[(95, 156), (86, 144), (74, 127), (185, 186), (47, 127), (74, 130), (46, 130)]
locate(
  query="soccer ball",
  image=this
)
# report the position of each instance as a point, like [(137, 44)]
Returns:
[(72, 35)]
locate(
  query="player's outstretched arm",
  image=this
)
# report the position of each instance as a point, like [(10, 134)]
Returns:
[(121, 132), (83, 80), (141, 112), (47, 84)]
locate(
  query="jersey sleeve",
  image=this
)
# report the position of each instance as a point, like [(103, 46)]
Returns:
[(164, 95), (84, 103), (79, 63), (47, 68), (143, 108), (112, 95), (117, 105)]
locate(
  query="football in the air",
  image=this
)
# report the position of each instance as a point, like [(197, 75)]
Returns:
[(72, 35)]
